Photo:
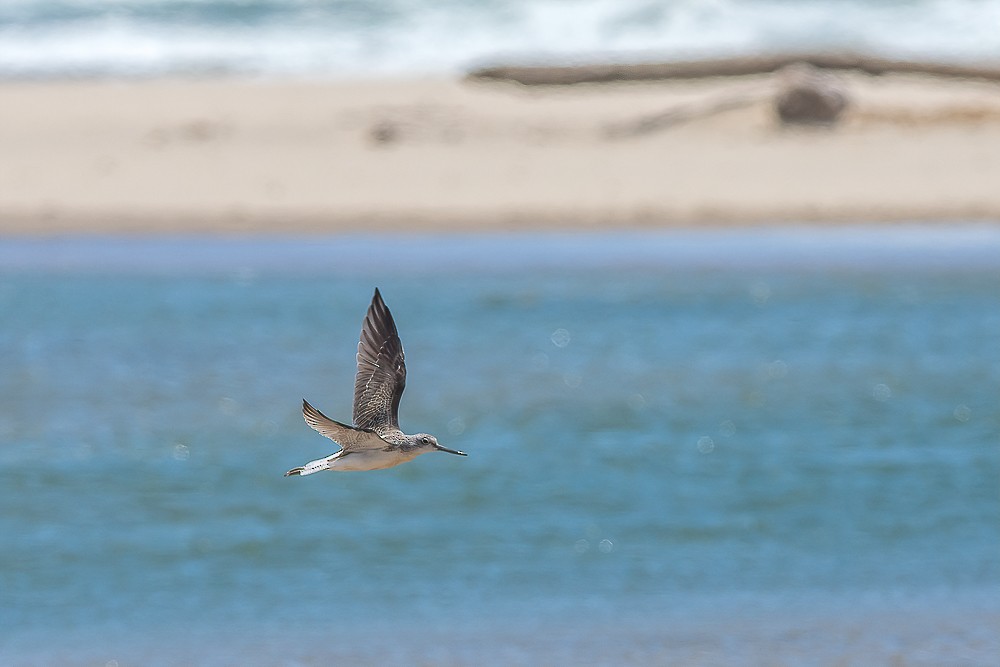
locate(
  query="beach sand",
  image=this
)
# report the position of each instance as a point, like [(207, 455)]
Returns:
[(225, 156)]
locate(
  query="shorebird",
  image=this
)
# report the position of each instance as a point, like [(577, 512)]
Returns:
[(375, 441)]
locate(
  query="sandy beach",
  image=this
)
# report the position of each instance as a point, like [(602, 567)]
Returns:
[(221, 156)]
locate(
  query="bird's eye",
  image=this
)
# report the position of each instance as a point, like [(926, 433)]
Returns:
[(425, 440)]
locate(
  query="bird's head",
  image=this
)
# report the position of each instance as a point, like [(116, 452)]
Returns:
[(428, 443)]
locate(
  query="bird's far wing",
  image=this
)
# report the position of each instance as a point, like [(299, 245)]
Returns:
[(381, 370), (348, 437)]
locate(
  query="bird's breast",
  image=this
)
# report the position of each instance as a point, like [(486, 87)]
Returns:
[(373, 459)]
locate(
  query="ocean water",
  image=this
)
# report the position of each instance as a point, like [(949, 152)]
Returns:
[(350, 38), (717, 448)]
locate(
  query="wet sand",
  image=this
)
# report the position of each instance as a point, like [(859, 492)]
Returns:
[(433, 154)]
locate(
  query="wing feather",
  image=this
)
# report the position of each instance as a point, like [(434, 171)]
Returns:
[(348, 437), (381, 376)]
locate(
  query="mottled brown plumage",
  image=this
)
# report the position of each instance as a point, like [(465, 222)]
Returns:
[(381, 376), (375, 440)]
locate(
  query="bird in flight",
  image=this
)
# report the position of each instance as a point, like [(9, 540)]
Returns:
[(375, 441)]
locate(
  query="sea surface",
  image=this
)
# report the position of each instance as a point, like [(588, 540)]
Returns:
[(690, 448), (359, 38)]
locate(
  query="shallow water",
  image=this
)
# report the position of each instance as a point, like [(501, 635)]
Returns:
[(719, 448)]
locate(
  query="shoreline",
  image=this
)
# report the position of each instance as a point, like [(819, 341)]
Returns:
[(440, 155), (802, 249), (282, 225)]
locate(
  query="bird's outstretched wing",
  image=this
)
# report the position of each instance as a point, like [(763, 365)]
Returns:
[(349, 438), (381, 370)]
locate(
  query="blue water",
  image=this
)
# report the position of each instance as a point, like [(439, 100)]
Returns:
[(350, 38), (735, 448)]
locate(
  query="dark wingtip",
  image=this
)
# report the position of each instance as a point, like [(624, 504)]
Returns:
[(294, 471), (311, 414)]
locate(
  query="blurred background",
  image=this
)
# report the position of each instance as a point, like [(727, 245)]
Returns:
[(718, 411), (356, 38)]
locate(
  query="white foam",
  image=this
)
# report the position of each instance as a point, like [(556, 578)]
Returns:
[(149, 37)]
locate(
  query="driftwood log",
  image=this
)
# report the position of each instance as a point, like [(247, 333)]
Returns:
[(679, 115), (741, 66), (801, 95)]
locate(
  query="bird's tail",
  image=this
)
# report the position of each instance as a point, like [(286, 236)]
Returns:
[(311, 467)]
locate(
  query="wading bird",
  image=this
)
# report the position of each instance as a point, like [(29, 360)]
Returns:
[(375, 441)]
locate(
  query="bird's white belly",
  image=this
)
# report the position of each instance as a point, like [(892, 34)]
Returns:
[(371, 459)]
